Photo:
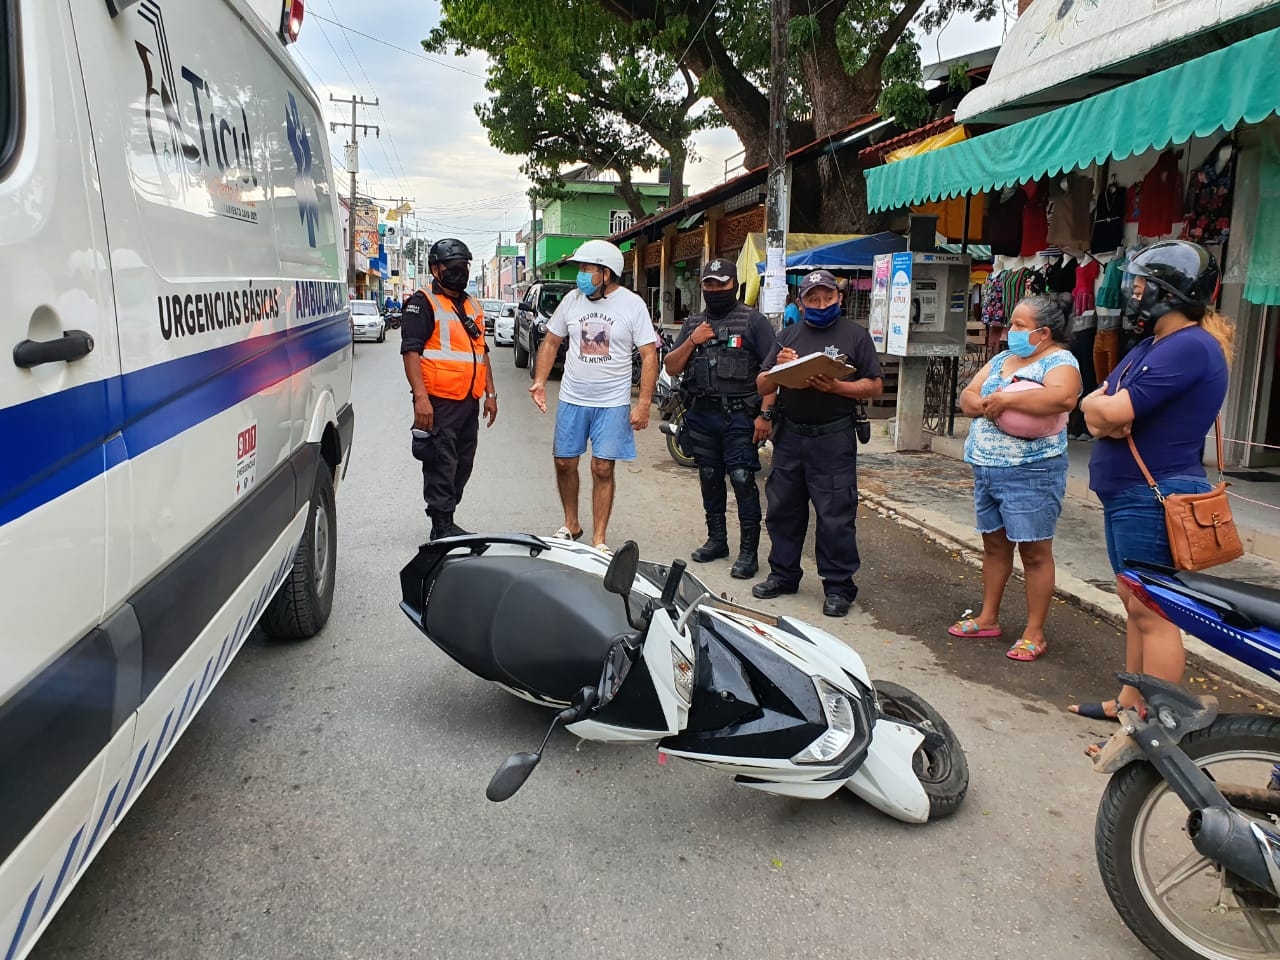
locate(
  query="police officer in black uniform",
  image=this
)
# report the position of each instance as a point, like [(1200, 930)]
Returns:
[(815, 448), (720, 351)]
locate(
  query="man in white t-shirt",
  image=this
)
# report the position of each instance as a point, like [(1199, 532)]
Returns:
[(604, 322)]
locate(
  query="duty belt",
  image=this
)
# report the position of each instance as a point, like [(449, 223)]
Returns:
[(819, 429), (727, 404)]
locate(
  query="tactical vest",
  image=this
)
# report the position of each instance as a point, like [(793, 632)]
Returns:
[(453, 360), (724, 365)]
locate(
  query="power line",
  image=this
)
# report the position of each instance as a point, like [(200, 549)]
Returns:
[(385, 43)]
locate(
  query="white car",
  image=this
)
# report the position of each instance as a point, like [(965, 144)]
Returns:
[(492, 310), (504, 328), (366, 321)]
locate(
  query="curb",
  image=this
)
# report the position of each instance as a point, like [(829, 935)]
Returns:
[(1106, 606)]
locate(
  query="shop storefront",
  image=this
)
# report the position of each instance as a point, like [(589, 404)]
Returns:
[(1081, 176)]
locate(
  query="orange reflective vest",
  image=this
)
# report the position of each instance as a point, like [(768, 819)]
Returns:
[(453, 360)]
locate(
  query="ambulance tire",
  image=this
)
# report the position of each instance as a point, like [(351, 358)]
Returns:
[(301, 606)]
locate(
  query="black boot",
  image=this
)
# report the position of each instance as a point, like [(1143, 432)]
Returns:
[(747, 563), (442, 526), (717, 545)]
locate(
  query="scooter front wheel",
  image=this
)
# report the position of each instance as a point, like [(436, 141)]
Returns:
[(1178, 903), (941, 769), (677, 450)]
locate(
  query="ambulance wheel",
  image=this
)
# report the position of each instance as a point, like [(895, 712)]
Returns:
[(301, 607)]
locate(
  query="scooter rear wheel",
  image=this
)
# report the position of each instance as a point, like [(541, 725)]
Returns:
[(1164, 891), (942, 770), (677, 451)]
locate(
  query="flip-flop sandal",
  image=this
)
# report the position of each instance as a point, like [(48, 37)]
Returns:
[(564, 534), (1026, 650), (969, 627), (1092, 711), (1093, 749)]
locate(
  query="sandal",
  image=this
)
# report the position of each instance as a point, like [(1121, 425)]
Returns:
[(969, 627), (1026, 650), (564, 534), (1093, 749), (1094, 711)]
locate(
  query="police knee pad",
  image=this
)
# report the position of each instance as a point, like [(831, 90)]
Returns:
[(710, 474), (741, 477)]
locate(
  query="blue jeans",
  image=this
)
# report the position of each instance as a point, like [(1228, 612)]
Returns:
[(1024, 500), (1134, 521)]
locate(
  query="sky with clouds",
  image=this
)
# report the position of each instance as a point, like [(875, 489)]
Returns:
[(432, 148)]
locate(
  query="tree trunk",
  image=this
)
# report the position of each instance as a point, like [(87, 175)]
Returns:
[(837, 98), (679, 157), (625, 189)]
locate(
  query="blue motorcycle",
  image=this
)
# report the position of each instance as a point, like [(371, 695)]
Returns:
[(1187, 835)]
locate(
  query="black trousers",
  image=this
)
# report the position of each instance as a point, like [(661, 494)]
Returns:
[(449, 453), (722, 442), (1081, 348), (823, 471)]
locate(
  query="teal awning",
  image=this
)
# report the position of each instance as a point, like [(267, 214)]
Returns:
[(1214, 92)]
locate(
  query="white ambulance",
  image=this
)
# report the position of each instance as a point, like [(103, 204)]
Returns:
[(175, 403)]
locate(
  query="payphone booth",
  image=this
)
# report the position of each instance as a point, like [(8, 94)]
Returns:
[(918, 312)]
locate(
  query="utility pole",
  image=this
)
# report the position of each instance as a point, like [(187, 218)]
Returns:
[(353, 167), (533, 229), (774, 293)]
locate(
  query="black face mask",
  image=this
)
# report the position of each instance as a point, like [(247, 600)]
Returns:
[(719, 302), (456, 277)]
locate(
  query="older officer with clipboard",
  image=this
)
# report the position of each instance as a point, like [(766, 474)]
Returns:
[(814, 443)]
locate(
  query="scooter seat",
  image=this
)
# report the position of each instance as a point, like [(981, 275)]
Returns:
[(538, 626), (1260, 604)]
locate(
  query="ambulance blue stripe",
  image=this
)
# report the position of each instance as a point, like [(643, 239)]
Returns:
[(22, 922), (62, 874), (128, 790), (159, 744), (66, 439), (102, 817)]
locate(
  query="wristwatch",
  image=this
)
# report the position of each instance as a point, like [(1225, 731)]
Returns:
[(492, 396), (767, 414)]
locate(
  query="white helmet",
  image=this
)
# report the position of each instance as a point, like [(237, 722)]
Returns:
[(600, 252)]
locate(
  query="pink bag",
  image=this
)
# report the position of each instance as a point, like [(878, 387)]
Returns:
[(1028, 426)]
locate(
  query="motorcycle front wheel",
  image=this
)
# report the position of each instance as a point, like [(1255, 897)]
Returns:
[(1177, 902), (941, 768), (674, 446)]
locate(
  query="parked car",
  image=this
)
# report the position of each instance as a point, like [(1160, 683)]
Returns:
[(367, 321), (531, 322), (492, 310), (504, 328)]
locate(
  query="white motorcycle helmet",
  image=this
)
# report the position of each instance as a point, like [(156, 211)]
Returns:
[(602, 253)]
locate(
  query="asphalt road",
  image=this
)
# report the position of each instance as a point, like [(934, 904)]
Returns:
[(328, 801)]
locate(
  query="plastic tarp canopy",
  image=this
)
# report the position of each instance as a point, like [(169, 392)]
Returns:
[(856, 253), (753, 250)]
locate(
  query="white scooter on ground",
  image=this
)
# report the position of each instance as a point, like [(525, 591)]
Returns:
[(627, 651)]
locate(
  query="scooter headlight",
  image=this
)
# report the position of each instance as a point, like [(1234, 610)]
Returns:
[(840, 726), (683, 668)]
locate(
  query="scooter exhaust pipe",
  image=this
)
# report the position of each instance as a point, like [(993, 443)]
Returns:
[(670, 429), (1243, 846)]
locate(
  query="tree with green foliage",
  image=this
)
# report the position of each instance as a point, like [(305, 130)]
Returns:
[(572, 85)]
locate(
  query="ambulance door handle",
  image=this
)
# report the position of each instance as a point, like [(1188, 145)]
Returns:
[(72, 345)]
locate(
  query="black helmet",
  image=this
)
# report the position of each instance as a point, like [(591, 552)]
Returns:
[(444, 250), (1180, 276)]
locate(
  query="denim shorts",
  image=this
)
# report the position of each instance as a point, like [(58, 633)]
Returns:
[(1023, 500), (608, 429), (1134, 521)]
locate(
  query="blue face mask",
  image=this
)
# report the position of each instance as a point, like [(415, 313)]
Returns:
[(585, 284), (1020, 343), (824, 317)]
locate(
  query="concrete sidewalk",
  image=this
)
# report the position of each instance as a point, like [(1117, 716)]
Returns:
[(934, 493)]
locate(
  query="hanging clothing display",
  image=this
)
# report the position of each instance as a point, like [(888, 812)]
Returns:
[(1018, 285), (1060, 277), (950, 214), (1209, 196), (1072, 198), (993, 314), (1262, 283), (1108, 219), (1004, 221), (1161, 197), (1035, 221), (1133, 204), (1082, 295)]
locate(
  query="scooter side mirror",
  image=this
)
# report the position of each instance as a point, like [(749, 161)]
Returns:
[(511, 776), (621, 575)]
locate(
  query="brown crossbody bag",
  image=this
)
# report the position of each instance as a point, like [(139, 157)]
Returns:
[(1202, 533)]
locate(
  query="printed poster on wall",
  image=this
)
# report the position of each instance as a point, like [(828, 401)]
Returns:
[(878, 320), (899, 304)]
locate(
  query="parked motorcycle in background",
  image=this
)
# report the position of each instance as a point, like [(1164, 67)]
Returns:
[(1186, 835)]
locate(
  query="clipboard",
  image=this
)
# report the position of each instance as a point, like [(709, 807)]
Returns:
[(796, 373)]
